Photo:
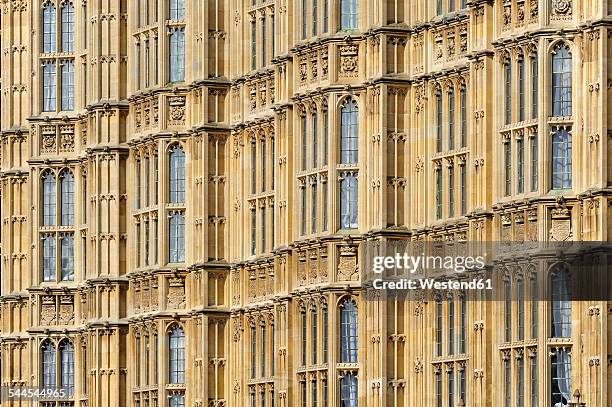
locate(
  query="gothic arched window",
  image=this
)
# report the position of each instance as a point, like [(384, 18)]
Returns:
[(66, 349), (349, 135), (177, 355), (349, 14), (48, 365), (562, 81), (348, 331), (49, 199), (177, 175), (67, 196), (67, 27), (561, 306), (49, 29)]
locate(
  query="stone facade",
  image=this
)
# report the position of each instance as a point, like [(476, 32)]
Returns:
[(464, 129)]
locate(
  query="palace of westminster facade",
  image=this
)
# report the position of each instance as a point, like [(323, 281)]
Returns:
[(186, 187)]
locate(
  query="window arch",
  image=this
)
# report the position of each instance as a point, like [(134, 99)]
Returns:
[(176, 356), (177, 9), (349, 14), (561, 306), (49, 199), (48, 364), (68, 27), (67, 197), (562, 81), (177, 174), (348, 331), (66, 350), (349, 134), (49, 29)]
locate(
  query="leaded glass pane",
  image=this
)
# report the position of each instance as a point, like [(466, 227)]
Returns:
[(561, 307), (561, 158), (177, 9), (348, 332), (49, 257), (349, 138), (562, 82), (67, 257), (68, 85), (177, 55), (67, 367), (49, 86), (177, 238), (48, 365), (348, 202), (67, 27), (348, 390), (561, 378), (49, 29), (349, 13), (177, 175), (49, 199), (177, 355), (67, 198)]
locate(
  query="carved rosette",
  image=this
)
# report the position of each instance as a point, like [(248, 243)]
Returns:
[(67, 138), (176, 111), (349, 60), (48, 313), (49, 139), (176, 293), (561, 10), (66, 310)]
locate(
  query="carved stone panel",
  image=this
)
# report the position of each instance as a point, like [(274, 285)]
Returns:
[(176, 293), (48, 312), (347, 264)]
